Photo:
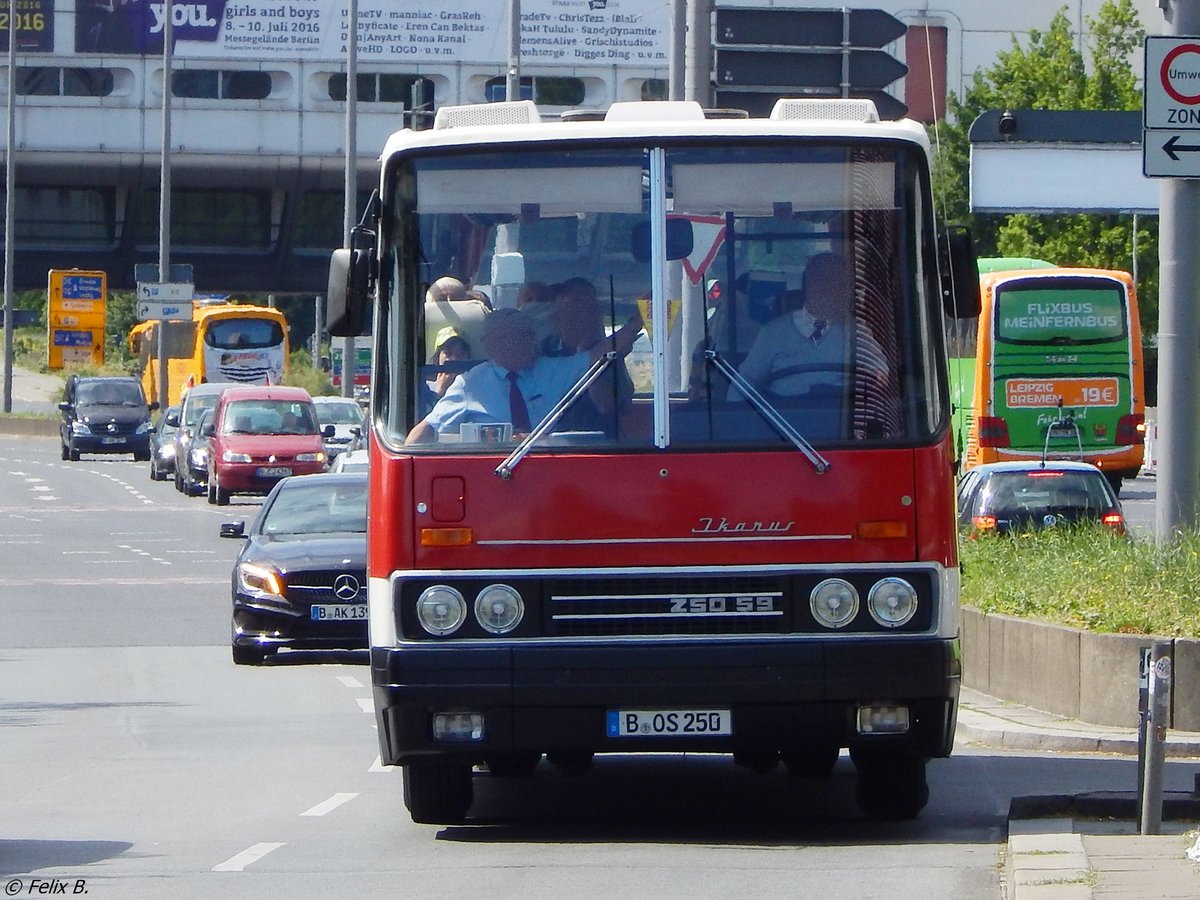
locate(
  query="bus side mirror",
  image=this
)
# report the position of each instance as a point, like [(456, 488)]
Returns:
[(960, 284), (347, 295), (679, 240)]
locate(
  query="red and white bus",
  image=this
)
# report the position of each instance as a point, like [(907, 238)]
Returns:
[(712, 567)]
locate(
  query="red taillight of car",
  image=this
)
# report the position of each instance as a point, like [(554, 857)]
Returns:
[(993, 432), (983, 523), (1113, 520), (1131, 429)]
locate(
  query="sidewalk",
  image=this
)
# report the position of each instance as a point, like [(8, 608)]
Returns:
[(1075, 847), (32, 392)]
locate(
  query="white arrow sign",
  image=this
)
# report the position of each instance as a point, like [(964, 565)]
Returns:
[(154, 309), (173, 291)]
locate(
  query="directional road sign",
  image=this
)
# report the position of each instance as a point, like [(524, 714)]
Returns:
[(1171, 108), (806, 27), (869, 69), (172, 310), (166, 291)]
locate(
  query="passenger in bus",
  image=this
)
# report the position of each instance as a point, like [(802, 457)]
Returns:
[(814, 344), (446, 288), (579, 327), (451, 347), (517, 385)]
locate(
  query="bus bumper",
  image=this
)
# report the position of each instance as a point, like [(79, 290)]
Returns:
[(781, 697)]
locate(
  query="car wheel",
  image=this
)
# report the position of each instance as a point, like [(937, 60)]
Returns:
[(248, 656), (438, 793), (220, 495), (178, 481), (141, 455), (73, 453), (212, 490), (891, 783), (66, 453), (154, 473)]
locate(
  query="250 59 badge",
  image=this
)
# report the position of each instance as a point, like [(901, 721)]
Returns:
[(669, 722)]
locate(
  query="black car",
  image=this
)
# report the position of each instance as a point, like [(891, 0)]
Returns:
[(162, 446), (301, 579), (105, 414), (1029, 495)]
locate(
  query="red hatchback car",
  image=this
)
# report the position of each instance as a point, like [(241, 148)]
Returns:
[(258, 435)]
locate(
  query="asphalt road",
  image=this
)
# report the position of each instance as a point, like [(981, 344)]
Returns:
[(140, 762)]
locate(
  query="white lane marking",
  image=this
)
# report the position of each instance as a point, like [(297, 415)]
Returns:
[(251, 855), (41, 488), (350, 681), (326, 806), (367, 704), (46, 497)]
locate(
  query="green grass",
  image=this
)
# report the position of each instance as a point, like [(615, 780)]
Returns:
[(1087, 579)]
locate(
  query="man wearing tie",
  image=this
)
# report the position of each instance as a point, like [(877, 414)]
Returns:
[(515, 384)]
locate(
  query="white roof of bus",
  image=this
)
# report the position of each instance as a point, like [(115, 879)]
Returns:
[(670, 119)]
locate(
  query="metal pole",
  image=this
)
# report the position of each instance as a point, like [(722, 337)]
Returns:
[(351, 196), (678, 71), (1178, 333), (698, 53), (164, 198), (10, 200), (1160, 706), (512, 81)]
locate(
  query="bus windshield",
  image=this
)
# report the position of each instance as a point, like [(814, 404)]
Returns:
[(243, 334), (794, 300)]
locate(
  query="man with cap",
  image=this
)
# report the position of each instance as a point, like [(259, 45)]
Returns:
[(515, 384)]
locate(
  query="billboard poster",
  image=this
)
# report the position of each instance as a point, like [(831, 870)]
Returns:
[(33, 23), (567, 32)]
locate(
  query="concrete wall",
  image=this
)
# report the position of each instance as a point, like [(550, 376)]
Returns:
[(1073, 673)]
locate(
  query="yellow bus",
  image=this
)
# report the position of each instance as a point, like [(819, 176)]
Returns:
[(223, 342)]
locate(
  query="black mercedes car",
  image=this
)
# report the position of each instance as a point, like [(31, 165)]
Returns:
[(300, 581), (105, 414)]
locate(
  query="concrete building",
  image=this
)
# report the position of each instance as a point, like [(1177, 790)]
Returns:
[(258, 109)]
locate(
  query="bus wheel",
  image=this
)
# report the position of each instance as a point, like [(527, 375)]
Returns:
[(811, 762), (438, 793), (518, 764), (891, 784)]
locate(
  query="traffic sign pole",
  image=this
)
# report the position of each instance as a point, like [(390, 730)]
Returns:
[(1179, 278)]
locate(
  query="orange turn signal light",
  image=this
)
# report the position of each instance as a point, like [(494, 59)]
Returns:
[(447, 537), (886, 528)]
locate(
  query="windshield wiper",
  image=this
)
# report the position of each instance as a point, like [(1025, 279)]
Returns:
[(577, 390), (764, 408)]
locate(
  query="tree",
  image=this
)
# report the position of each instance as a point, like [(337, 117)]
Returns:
[(1049, 73)]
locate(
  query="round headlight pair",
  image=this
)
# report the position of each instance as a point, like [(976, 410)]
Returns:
[(892, 602), (441, 609)]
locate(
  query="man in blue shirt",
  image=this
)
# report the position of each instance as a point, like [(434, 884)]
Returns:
[(515, 384)]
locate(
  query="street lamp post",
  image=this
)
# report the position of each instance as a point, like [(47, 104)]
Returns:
[(10, 190), (164, 198), (351, 195)]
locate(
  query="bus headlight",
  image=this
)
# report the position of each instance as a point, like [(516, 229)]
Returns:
[(834, 602), (441, 609), (892, 602), (499, 608)]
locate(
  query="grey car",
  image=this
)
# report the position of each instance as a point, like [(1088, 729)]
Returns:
[(188, 479)]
